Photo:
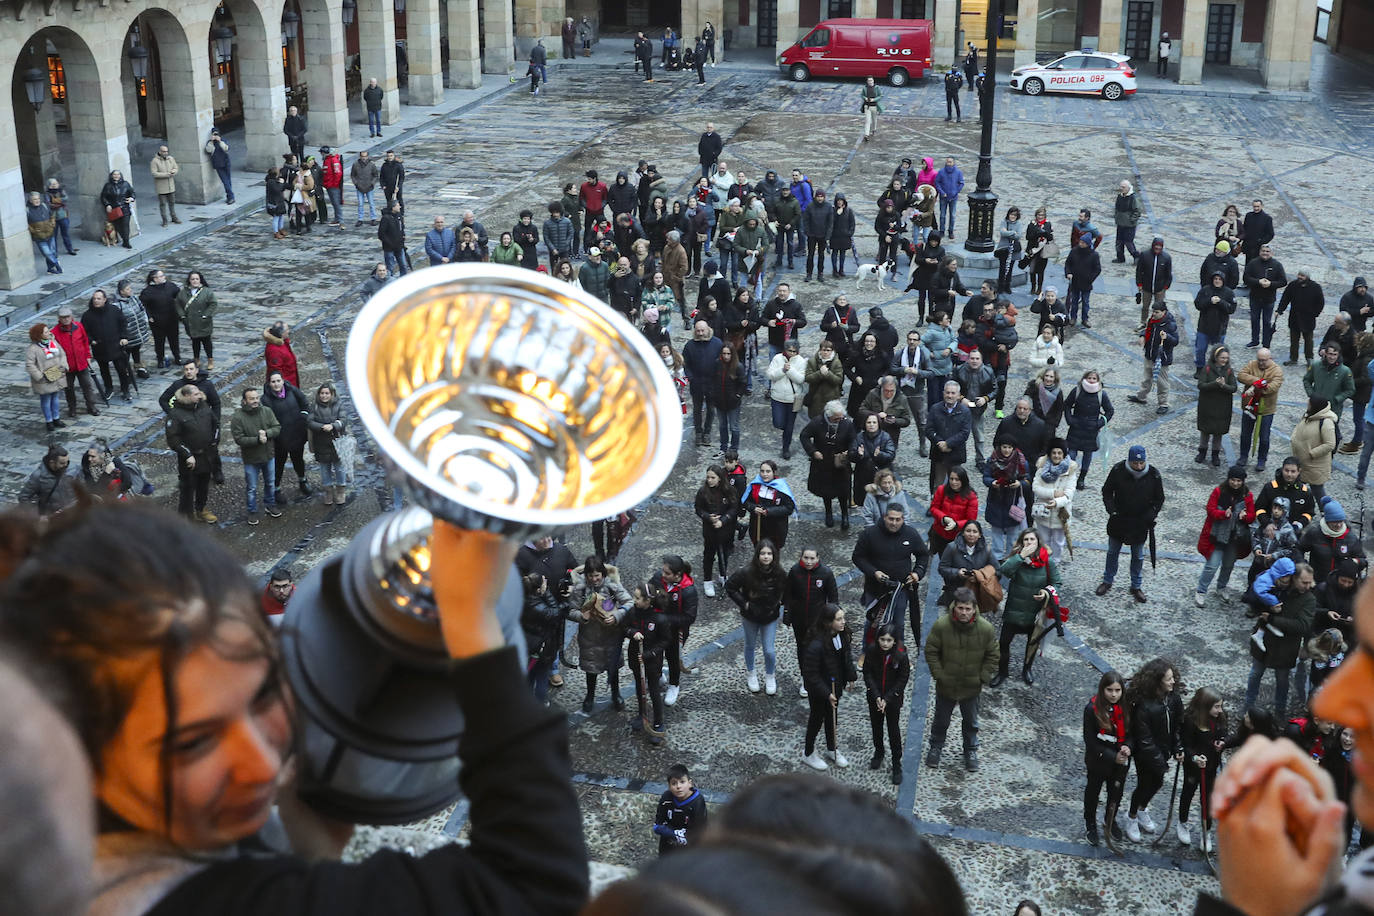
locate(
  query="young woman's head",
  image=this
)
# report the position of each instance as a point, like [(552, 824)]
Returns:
[(886, 637), (174, 671), (1157, 679), (674, 568), (831, 619), (1109, 689), (768, 469), (1206, 710), (715, 476), (957, 481), (1027, 538), (765, 556), (972, 532)]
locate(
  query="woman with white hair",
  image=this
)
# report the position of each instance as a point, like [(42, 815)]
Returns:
[(1127, 217)]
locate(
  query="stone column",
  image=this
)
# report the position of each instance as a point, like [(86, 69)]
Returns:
[(464, 49), (1027, 32), (714, 10), (377, 47), (945, 51), (95, 113), (526, 26), (322, 31), (422, 49), (1194, 43), (1333, 27), (16, 251), (499, 36), (865, 9), (263, 88), (1109, 27), (1286, 57), (189, 110), (789, 25)]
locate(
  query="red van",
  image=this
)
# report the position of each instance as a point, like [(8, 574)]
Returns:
[(897, 50)]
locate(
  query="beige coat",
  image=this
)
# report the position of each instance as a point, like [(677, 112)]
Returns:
[(1313, 442), (36, 360), (164, 174), (1251, 373)]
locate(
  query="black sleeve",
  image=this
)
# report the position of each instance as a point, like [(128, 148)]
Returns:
[(527, 853), (1095, 748)]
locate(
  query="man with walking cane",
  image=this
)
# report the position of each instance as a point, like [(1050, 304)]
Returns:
[(892, 555)]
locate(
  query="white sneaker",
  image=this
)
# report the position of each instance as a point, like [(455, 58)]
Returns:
[(709, 588), (753, 682), (1181, 831), (770, 685), (1132, 829), (1206, 842), (670, 698), (815, 762), (801, 691), (840, 759), (1198, 598), (1146, 822)]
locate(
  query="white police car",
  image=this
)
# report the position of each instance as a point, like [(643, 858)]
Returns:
[(1086, 72)]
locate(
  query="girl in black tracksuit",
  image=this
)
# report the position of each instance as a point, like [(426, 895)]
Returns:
[(1204, 737), (675, 594), (826, 667), (718, 506), (1106, 751), (810, 587), (650, 631), (1156, 714), (886, 671)]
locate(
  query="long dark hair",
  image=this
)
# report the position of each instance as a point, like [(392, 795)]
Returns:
[(1103, 708), (760, 575), (98, 586), (1200, 711), (723, 493), (1147, 684)]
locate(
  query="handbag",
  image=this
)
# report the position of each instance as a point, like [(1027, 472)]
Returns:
[(54, 372), (1050, 251), (1017, 510), (703, 236), (115, 213), (347, 447)]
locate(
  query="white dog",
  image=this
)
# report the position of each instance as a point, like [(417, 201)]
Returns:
[(876, 271)]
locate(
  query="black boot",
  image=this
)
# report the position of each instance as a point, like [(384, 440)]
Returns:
[(1026, 675), (829, 514), (1093, 838), (1000, 678), (877, 759), (1201, 456), (614, 678), (305, 487), (589, 703), (921, 435), (1216, 458), (844, 515), (896, 772)]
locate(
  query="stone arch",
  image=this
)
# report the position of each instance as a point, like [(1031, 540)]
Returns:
[(257, 58), (92, 110)]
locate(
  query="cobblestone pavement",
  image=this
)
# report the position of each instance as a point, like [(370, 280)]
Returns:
[(1014, 828)]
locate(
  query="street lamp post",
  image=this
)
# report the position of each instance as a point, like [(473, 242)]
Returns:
[(36, 86), (982, 203)]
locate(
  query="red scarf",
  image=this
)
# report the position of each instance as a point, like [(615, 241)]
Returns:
[(1039, 560), (1118, 722)]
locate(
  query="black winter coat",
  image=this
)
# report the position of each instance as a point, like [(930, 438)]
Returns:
[(1085, 266), (725, 505), (160, 302), (725, 385), (1307, 301), (1259, 269), (842, 229), (1213, 317), (1100, 746), (1154, 272), (826, 668), (106, 327), (886, 673), (896, 554), (1030, 437), (1132, 504), (1157, 731), (293, 412), (1086, 413), (806, 592), (759, 599), (952, 428), (826, 479)]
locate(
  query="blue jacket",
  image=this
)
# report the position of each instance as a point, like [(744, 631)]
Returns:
[(1265, 581), (952, 428), (936, 340), (1160, 339), (441, 243), (949, 181), (801, 190)]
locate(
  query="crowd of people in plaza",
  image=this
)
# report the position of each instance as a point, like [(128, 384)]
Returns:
[(982, 541)]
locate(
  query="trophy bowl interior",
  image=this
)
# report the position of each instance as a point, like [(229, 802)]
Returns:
[(509, 401)]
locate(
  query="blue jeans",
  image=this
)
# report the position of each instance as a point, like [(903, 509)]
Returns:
[(1084, 462), (48, 248), (266, 470), (1365, 452), (1201, 344), (783, 244), (374, 123), (947, 205), (398, 262), (336, 201), (228, 182), (1247, 430), (765, 633), (331, 474), (1114, 556), (279, 223), (785, 419), (1077, 297), (1001, 541), (51, 405), (1257, 670), (729, 429), (64, 226), (1224, 558), (366, 197)]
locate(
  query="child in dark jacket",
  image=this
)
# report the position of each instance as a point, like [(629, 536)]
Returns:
[(681, 814)]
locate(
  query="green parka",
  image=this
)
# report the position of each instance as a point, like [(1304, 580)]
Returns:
[(962, 656), (1026, 580)]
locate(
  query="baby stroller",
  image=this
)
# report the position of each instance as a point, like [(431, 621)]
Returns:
[(672, 59), (689, 60)]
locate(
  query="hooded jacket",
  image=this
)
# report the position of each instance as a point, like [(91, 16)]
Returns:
[(1224, 264), (1213, 316), (1313, 442), (1335, 383), (280, 357), (1355, 302), (962, 657), (801, 190), (949, 182), (623, 196), (322, 444), (1154, 272)]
